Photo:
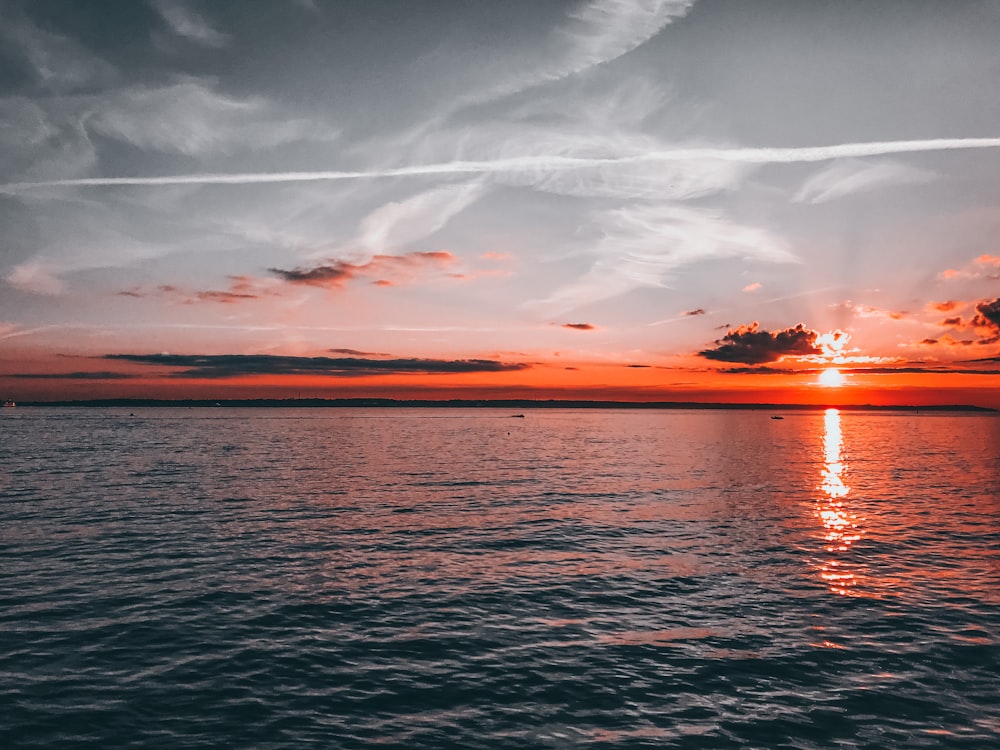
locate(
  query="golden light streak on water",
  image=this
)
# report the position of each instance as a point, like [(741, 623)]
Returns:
[(841, 527)]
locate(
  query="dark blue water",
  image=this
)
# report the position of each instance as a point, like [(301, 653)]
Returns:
[(461, 579)]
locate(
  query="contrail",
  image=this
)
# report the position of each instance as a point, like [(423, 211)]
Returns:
[(536, 163)]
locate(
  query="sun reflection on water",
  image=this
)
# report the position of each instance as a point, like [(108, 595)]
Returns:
[(840, 526)]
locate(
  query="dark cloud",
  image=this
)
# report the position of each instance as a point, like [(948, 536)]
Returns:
[(579, 326), (639, 366), (356, 353), (74, 375), (241, 288), (336, 273), (902, 370), (911, 370), (988, 315), (699, 311), (985, 323), (753, 345), (764, 370), (233, 365)]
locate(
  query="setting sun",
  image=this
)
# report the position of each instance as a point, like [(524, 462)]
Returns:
[(831, 378)]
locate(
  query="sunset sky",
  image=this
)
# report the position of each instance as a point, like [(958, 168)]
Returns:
[(615, 199)]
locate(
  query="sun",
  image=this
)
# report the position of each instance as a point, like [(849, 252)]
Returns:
[(831, 378)]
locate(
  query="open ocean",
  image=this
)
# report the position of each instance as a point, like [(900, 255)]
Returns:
[(440, 578)]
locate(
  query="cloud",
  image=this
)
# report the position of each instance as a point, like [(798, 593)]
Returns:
[(241, 288), (644, 245), (188, 24), (753, 345), (851, 176), (911, 370), (73, 376), (691, 313), (394, 225), (952, 273), (335, 274), (976, 269), (755, 286), (356, 353), (765, 370), (985, 323), (599, 32), (58, 63), (191, 118), (579, 326), (516, 164), (867, 311), (223, 296), (36, 277), (220, 366), (987, 320), (943, 306)]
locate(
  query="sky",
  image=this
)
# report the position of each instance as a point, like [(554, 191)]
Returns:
[(683, 200)]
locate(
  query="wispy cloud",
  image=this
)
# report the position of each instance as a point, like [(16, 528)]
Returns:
[(396, 224), (644, 245), (58, 62), (35, 277), (241, 289), (193, 119), (851, 176), (78, 375), (187, 23), (597, 32), (579, 326), (981, 267), (534, 163)]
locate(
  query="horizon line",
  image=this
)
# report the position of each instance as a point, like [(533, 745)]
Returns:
[(383, 402)]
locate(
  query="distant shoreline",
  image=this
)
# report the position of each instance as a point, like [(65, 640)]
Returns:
[(493, 404)]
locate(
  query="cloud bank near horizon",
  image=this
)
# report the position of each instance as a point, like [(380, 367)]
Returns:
[(218, 366)]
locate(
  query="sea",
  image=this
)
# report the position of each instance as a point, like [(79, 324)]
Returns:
[(475, 578)]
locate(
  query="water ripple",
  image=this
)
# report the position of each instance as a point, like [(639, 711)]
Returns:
[(207, 578)]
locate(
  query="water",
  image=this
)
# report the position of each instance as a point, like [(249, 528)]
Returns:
[(422, 578)]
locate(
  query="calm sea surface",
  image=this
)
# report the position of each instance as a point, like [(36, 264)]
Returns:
[(346, 578)]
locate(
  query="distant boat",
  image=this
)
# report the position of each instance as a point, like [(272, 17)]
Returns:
[(8, 402), (776, 417)]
